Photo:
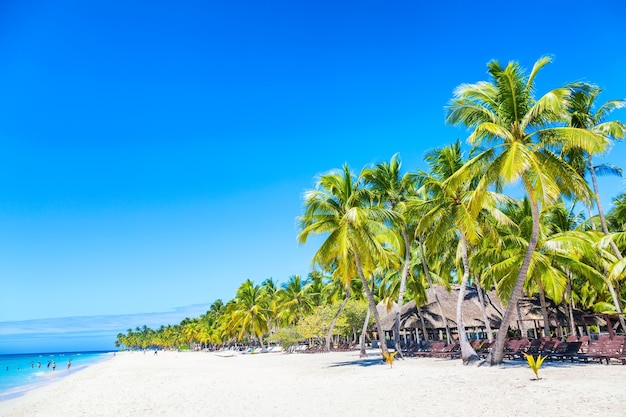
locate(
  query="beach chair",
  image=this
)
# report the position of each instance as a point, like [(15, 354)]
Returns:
[(549, 346), (594, 351), (516, 349), (448, 351), (566, 350), (535, 347), (433, 348), (485, 349), (613, 349)]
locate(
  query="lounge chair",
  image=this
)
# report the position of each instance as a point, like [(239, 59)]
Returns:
[(433, 348), (515, 349), (566, 350), (594, 351), (450, 350), (613, 349), (485, 348)]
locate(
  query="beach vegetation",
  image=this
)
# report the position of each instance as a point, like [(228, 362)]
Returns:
[(341, 209), (286, 337), (520, 135), (535, 363), (515, 210)]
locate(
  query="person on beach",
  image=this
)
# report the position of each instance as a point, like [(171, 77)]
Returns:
[(48, 364), (54, 366), (69, 363)]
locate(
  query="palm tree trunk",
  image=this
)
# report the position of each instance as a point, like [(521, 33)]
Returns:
[(570, 310), (363, 332), (372, 305), (544, 309), (329, 336), (520, 320), (605, 230), (468, 354), (497, 355), (617, 303), (430, 284), (483, 309), (403, 275)]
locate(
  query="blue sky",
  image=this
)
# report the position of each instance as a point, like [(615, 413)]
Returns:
[(153, 155)]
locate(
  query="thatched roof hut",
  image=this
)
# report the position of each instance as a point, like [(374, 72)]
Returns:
[(472, 314), (530, 309)]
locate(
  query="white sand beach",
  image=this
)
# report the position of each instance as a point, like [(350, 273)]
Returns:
[(331, 384)]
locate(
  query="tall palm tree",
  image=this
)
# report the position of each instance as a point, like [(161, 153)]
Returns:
[(449, 187), (583, 115), (341, 208), (393, 189), (523, 133)]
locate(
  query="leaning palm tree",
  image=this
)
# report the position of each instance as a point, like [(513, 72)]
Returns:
[(523, 133), (341, 208)]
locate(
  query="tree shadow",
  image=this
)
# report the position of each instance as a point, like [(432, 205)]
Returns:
[(364, 363)]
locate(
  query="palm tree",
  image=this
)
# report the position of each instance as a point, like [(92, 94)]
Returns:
[(523, 133), (191, 331), (249, 311), (617, 215), (582, 115), (270, 291), (341, 208), (560, 252), (295, 300), (393, 189), (449, 188)]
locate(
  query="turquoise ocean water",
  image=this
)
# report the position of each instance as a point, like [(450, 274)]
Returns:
[(20, 373)]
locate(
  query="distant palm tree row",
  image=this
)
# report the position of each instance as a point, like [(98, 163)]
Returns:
[(258, 311), (514, 212)]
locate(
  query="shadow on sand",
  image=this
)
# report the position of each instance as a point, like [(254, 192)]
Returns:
[(362, 362)]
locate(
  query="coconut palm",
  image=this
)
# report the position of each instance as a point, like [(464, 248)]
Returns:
[(582, 115), (617, 216), (191, 332), (393, 189), (249, 313), (523, 133), (449, 187), (294, 300), (341, 208), (560, 252)]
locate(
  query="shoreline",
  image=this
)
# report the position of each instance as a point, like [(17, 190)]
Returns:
[(321, 384), (39, 377)]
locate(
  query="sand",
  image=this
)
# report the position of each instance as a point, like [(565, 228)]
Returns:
[(330, 384)]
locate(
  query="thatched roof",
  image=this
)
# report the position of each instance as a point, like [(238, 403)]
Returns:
[(472, 313)]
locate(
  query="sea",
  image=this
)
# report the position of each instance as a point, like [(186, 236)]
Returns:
[(22, 372)]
